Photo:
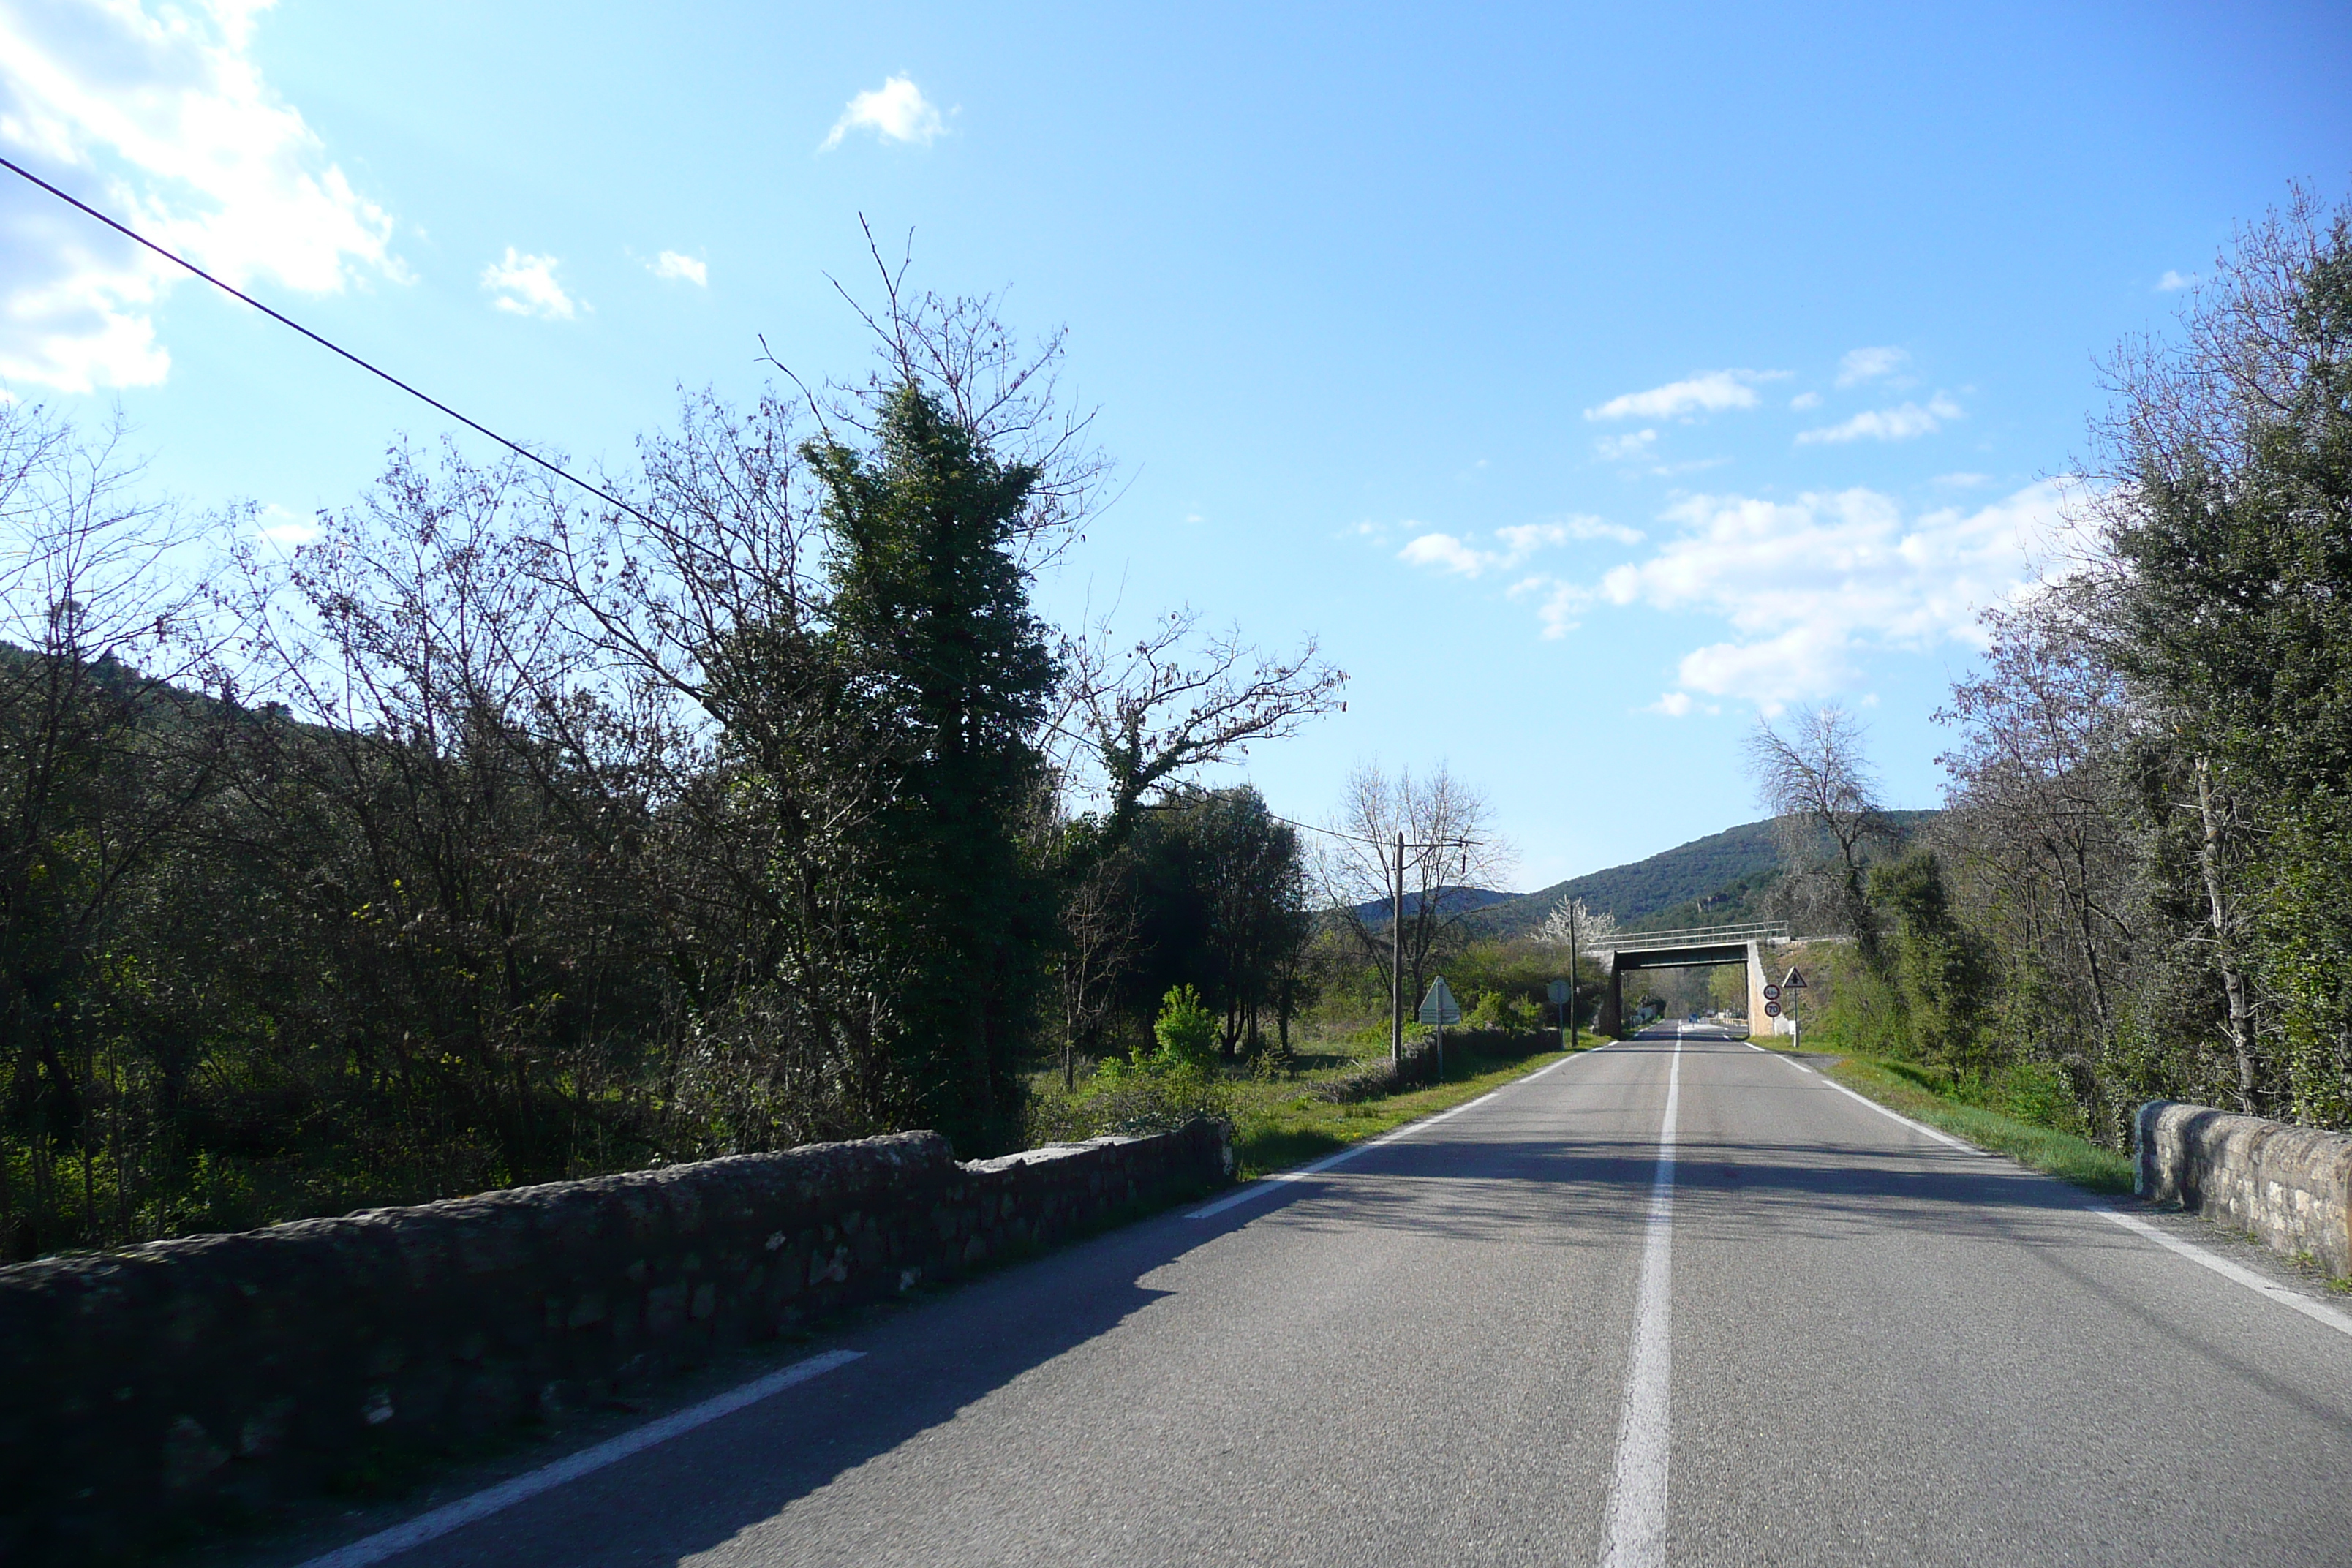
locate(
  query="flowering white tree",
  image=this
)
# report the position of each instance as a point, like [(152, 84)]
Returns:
[(1593, 930)]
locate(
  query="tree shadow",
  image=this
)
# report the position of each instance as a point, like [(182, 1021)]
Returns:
[(1553, 1186)]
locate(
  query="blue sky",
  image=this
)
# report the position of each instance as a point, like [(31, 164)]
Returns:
[(1588, 379)]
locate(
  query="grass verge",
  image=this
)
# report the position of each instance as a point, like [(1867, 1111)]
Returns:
[(1275, 1131), (1923, 1095)]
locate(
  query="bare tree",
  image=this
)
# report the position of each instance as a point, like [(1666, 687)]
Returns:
[(959, 351), (704, 608), (1100, 923), (2041, 809), (2246, 354), (1450, 844), (1136, 721), (1815, 780), (104, 758)]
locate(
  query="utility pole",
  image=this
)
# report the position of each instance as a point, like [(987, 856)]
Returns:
[(1396, 934), (1396, 959), (1573, 1043)]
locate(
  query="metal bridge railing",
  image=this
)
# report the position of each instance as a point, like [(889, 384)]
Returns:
[(1698, 936)]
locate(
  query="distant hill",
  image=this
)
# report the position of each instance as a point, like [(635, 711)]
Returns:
[(1718, 879), (1447, 900)]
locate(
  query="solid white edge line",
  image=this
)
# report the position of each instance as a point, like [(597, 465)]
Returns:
[(2236, 1272), (1265, 1184), (1918, 1127), (2227, 1270), (506, 1494)]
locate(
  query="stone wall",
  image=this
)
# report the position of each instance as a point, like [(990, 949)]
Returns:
[(2290, 1185), (154, 1388)]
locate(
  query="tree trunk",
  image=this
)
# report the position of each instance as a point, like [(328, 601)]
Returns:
[(2233, 982)]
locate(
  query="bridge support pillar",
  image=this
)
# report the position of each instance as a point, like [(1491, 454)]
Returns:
[(1610, 1021), (1758, 1023)]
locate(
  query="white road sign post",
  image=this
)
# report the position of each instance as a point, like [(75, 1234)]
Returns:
[(1792, 984), (1563, 996), (1440, 1008)]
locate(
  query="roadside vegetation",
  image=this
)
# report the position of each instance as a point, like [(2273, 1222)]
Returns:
[(486, 838), (1335, 1090), (2136, 890), (483, 838), (2022, 1114)]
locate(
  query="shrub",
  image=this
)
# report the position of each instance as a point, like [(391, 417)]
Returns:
[(1380, 1076), (1186, 1030)]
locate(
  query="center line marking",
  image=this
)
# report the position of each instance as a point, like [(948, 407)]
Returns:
[(1633, 1534)]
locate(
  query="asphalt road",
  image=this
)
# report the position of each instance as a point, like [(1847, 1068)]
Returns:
[(1813, 1335)]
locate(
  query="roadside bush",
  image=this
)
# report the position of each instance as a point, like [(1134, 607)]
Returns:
[(1380, 1077), (1136, 1101), (1502, 1012), (1158, 1091), (1186, 1030)]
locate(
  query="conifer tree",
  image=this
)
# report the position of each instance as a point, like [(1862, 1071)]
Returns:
[(930, 616)]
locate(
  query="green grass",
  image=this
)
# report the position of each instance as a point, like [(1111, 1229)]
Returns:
[(1279, 1122), (1925, 1095), (1279, 1125)]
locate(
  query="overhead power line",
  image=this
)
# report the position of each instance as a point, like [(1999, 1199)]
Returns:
[(516, 447)]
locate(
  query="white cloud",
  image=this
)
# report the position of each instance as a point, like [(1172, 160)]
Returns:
[(895, 111), (280, 526), (1806, 400), (1561, 604), (1594, 528), (1869, 364), (526, 285), (1810, 587), (1447, 553), (687, 269), (2172, 280), (165, 118), (1457, 555), (1898, 423), (1673, 704), (1635, 447), (1703, 392)]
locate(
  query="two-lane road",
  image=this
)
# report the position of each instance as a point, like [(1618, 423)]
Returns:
[(1555, 1327)]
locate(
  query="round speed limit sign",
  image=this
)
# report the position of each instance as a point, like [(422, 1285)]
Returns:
[(1771, 993), (1771, 1010)]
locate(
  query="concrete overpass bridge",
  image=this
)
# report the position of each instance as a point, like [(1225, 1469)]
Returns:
[(1693, 947)]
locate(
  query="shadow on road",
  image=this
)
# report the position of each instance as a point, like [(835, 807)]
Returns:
[(1534, 1170)]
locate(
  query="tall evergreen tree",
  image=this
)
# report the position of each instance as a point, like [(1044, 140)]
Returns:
[(930, 613)]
